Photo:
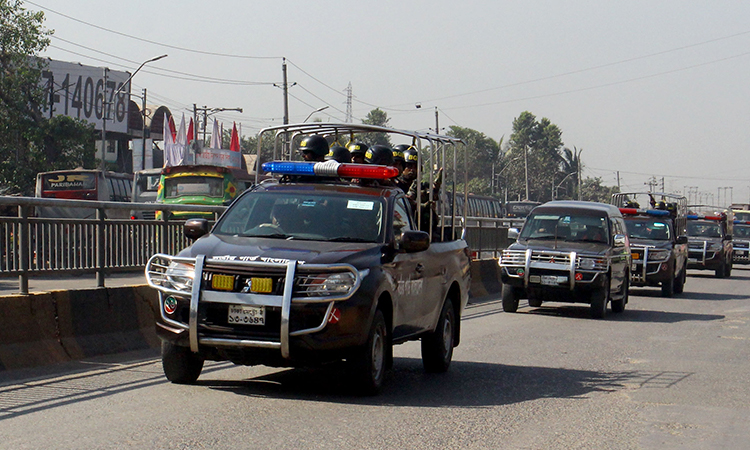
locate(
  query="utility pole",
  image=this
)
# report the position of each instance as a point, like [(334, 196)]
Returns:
[(526, 168), (437, 125), (287, 145), (104, 119), (206, 112), (143, 131)]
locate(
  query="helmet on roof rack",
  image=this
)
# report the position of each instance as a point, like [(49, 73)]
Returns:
[(316, 145), (339, 154)]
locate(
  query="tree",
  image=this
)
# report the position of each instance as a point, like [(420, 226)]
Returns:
[(29, 141), (376, 117), (534, 149), (483, 155), (592, 190)]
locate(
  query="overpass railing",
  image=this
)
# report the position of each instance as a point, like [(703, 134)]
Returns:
[(96, 243)]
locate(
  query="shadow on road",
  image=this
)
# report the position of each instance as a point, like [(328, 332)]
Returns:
[(466, 384), (629, 315)]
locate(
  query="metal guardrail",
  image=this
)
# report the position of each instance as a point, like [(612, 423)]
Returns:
[(40, 245)]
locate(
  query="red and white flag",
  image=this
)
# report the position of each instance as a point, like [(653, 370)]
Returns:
[(190, 132), (215, 136)]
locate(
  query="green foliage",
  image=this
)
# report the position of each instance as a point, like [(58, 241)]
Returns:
[(483, 155), (376, 117), (29, 141), (592, 190)]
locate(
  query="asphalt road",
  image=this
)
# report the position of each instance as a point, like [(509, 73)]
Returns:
[(665, 374)]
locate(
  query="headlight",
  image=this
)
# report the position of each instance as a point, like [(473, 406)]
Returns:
[(592, 263), (658, 255), (327, 284), (179, 276), (715, 247), (587, 263)]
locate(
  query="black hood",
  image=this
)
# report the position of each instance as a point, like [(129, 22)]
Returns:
[(660, 243), (311, 252)]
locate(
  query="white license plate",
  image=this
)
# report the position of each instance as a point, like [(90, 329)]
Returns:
[(246, 315), (553, 280), (634, 268), (741, 252)]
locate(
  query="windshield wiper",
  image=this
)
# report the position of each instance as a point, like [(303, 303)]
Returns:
[(271, 236)]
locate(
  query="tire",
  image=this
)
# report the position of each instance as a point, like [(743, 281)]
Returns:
[(534, 302), (679, 286), (599, 300), (618, 306), (721, 271), (437, 346), (369, 364), (667, 287), (510, 298), (181, 366), (729, 269)]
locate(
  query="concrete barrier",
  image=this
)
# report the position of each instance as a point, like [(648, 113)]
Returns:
[(52, 327), (58, 326), (485, 278)]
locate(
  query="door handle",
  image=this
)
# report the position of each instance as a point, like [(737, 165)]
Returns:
[(420, 267)]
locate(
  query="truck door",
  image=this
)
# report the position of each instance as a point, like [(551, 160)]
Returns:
[(407, 271)]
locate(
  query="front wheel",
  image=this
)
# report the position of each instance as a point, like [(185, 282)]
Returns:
[(369, 363), (510, 298), (667, 287), (679, 286), (437, 346), (599, 300), (721, 271), (618, 306), (180, 365)]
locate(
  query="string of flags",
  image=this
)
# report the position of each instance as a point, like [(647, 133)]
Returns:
[(177, 143)]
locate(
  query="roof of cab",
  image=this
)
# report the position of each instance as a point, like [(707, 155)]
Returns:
[(603, 208)]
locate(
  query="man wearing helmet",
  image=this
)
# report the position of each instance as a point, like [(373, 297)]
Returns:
[(358, 150), (409, 173), (379, 155), (313, 148), (398, 157), (339, 154)]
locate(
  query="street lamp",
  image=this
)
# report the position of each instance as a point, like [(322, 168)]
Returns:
[(316, 111), (105, 107), (555, 190)]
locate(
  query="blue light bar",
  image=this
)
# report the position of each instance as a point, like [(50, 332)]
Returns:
[(290, 168), (693, 216), (657, 212)]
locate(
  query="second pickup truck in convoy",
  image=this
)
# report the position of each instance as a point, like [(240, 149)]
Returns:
[(658, 239)]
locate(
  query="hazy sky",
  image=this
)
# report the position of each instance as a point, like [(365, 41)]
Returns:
[(646, 88)]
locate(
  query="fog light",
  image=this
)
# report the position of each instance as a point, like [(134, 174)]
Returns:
[(579, 276)]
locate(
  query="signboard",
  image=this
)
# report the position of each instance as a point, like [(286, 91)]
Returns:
[(77, 92), (219, 157)]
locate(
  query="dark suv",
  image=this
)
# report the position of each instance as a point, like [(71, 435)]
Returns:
[(568, 251)]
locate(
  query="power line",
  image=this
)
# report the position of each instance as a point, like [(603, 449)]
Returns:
[(185, 49)]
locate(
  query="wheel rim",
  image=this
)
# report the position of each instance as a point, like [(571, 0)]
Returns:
[(447, 333), (378, 353)]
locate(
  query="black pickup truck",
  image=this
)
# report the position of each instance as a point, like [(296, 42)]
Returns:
[(568, 251), (658, 239), (710, 243), (303, 273)]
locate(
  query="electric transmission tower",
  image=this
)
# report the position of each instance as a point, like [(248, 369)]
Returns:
[(349, 103)]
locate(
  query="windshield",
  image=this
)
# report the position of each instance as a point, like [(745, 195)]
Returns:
[(193, 185), (743, 216), (572, 228), (741, 231), (300, 215), (703, 229), (648, 229)]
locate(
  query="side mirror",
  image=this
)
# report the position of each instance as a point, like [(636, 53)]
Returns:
[(513, 234), (620, 240), (195, 228), (682, 239), (415, 241)]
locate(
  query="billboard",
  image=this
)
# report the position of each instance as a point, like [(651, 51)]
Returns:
[(76, 91)]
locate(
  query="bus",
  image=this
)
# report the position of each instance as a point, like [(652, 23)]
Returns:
[(519, 210), (200, 185), (83, 184)]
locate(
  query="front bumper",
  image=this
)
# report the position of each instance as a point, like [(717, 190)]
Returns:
[(560, 273), (701, 257), (645, 271), (293, 318), (741, 253)]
